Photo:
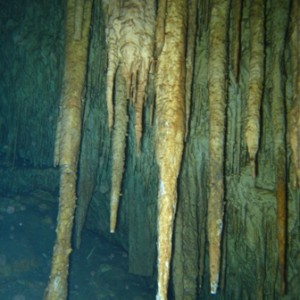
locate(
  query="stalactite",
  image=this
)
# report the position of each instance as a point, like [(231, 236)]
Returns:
[(202, 257), (57, 137), (279, 10), (151, 95), (217, 98), (170, 123), (144, 69), (119, 144), (236, 10), (256, 79), (69, 141), (136, 47), (177, 267), (78, 19), (112, 40), (204, 15), (190, 57), (294, 115), (160, 26), (130, 38)]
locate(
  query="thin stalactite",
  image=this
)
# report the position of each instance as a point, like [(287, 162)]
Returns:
[(119, 144), (236, 11), (160, 27), (280, 9), (217, 102), (190, 58), (256, 80), (57, 137)]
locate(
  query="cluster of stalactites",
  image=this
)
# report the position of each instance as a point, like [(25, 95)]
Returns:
[(130, 31), (130, 40)]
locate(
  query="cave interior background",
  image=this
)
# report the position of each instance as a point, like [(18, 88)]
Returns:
[(32, 65)]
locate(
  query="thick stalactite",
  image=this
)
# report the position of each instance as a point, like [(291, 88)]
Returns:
[(170, 132), (68, 145)]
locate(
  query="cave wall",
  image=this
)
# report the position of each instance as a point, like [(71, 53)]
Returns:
[(32, 39), (250, 267), (32, 48)]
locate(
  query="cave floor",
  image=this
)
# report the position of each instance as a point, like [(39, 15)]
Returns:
[(98, 270)]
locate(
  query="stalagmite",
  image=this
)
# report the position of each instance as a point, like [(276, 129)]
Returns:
[(170, 132), (119, 144), (68, 142), (256, 79), (294, 115), (280, 10), (217, 98)]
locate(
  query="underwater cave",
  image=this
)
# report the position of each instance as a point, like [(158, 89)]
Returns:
[(149, 149)]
